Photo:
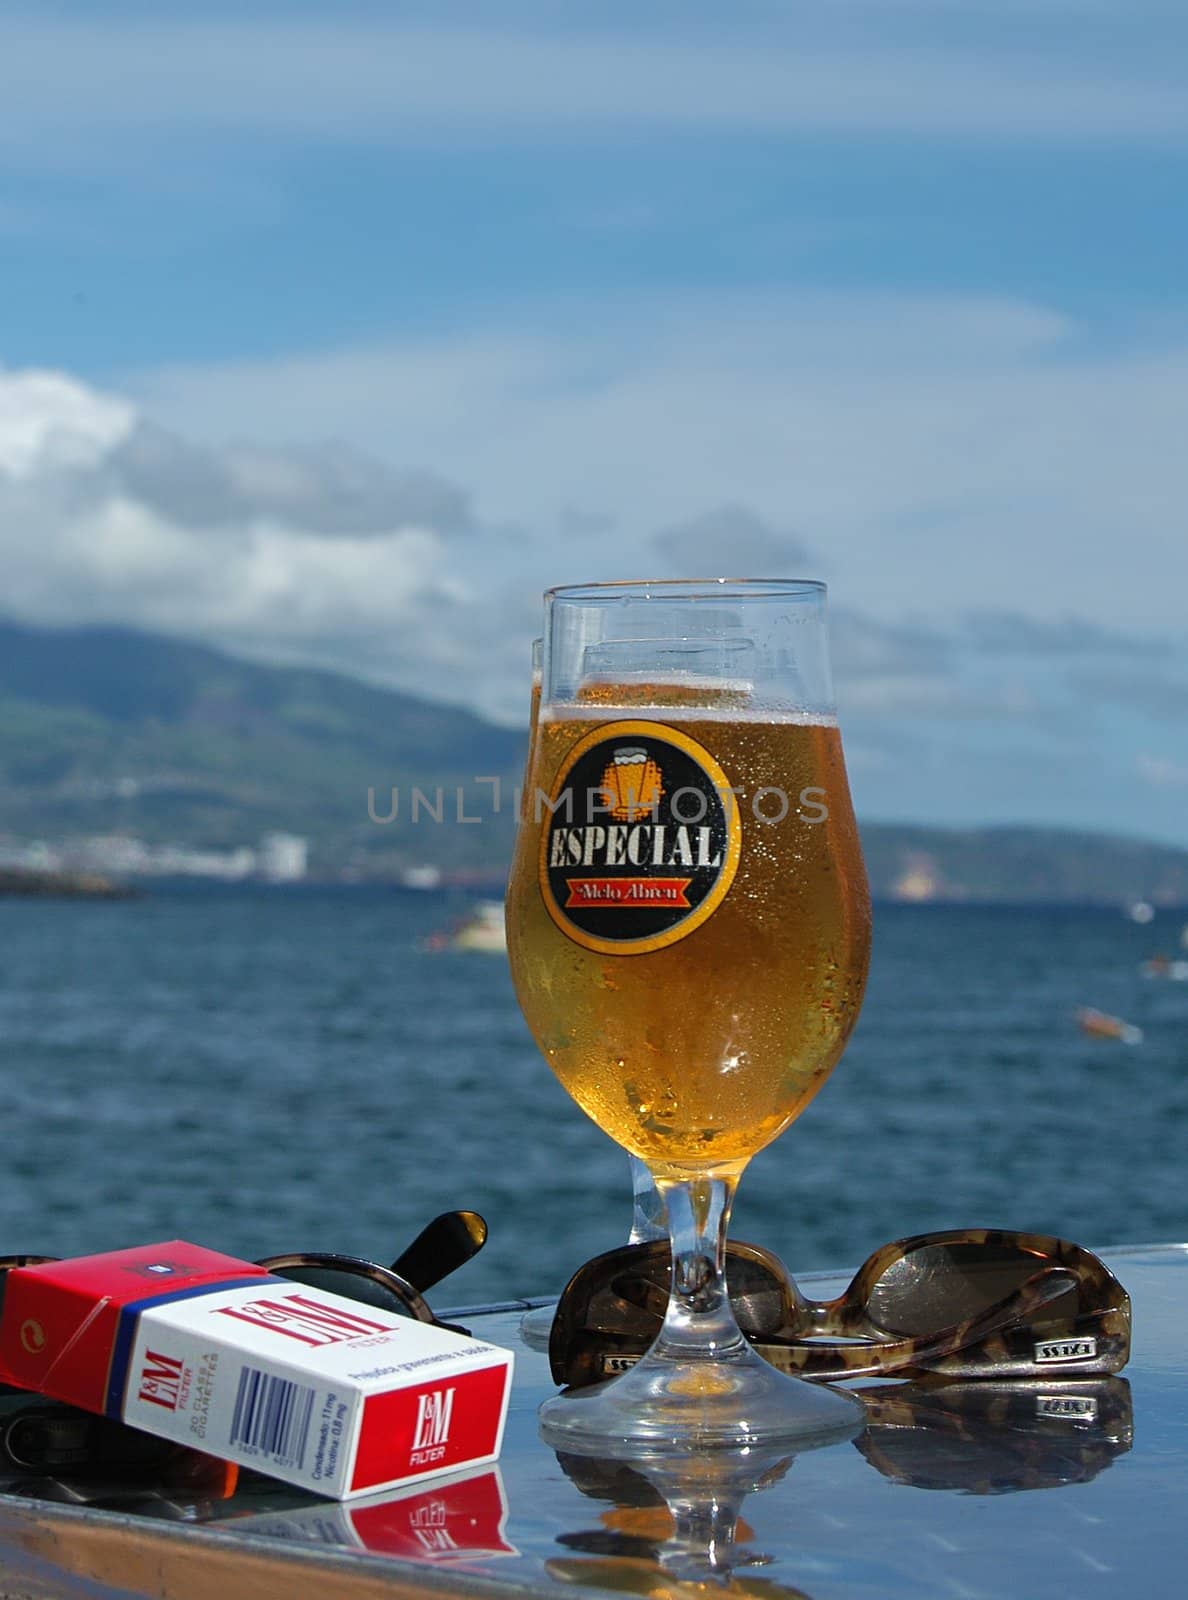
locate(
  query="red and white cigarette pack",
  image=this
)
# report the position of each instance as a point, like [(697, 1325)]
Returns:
[(310, 1387), (449, 1522)]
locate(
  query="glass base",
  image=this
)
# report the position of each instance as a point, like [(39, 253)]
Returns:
[(703, 1491), (537, 1324), (664, 1405)]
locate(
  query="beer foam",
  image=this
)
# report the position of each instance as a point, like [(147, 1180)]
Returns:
[(709, 681), (635, 711)]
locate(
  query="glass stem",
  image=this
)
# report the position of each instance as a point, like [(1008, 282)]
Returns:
[(699, 1324), (647, 1212), (702, 1542)]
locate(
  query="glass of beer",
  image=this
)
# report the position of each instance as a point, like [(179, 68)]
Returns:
[(647, 1207), (689, 927)]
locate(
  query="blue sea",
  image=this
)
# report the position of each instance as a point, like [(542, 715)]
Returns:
[(265, 1070)]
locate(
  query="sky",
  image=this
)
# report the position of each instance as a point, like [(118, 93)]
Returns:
[(335, 334)]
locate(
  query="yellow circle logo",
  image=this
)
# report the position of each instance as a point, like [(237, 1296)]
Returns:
[(642, 839)]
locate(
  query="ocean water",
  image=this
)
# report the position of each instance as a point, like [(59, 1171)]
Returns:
[(268, 1070)]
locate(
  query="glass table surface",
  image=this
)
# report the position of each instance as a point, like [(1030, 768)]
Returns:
[(1034, 1490)]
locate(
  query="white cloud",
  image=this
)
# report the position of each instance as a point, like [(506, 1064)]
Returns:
[(48, 422), (325, 488), (930, 459), (1162, 773), (83, 538), (730, 538), (68, 86), (936, 455), (1043, 703)]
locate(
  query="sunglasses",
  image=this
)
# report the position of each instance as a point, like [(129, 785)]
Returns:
[(55, 1437), (439, 1249), (978, 1437), (973, 1302), (355, 1278), (986, 1438)]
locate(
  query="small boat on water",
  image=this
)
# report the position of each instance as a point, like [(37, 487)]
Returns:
[(1100, 1025), (1163, 967), (483, 930)]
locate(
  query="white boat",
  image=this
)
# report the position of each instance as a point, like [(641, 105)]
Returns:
[(421, 878), (1100, 1025), (483, 930), (1162, 967)]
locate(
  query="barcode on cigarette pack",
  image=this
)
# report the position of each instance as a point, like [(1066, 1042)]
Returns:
[(272, 1416)]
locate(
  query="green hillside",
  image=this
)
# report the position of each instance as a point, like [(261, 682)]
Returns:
[(106, 730), (1021, 864)]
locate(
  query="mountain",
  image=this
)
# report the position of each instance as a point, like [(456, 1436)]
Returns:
[(1019, 865), (110, 731)]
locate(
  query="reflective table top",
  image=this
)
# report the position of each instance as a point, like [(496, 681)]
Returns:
[(1033, 1490)]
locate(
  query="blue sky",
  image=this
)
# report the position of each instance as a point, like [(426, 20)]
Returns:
[(335, 334)]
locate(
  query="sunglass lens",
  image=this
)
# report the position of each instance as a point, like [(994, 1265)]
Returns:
[(627, 1291), (758, 1297), (938, 1284)]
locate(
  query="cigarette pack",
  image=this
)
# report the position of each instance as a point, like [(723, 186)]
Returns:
[(451, 1521), (310, 1387)]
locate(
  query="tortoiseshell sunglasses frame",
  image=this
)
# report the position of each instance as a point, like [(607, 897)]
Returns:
[(611, 1309)]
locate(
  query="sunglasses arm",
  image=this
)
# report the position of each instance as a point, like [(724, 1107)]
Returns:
[(441, 1247)]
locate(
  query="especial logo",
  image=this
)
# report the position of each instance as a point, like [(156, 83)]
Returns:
[(641, 839)]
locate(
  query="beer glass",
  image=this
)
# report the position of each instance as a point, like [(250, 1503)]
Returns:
[(533, 717), (647, 1206), (689, 927)]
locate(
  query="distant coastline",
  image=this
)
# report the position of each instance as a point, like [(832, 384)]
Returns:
[(29, 883), (129, 758), (36, 885), (1020, 865)]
